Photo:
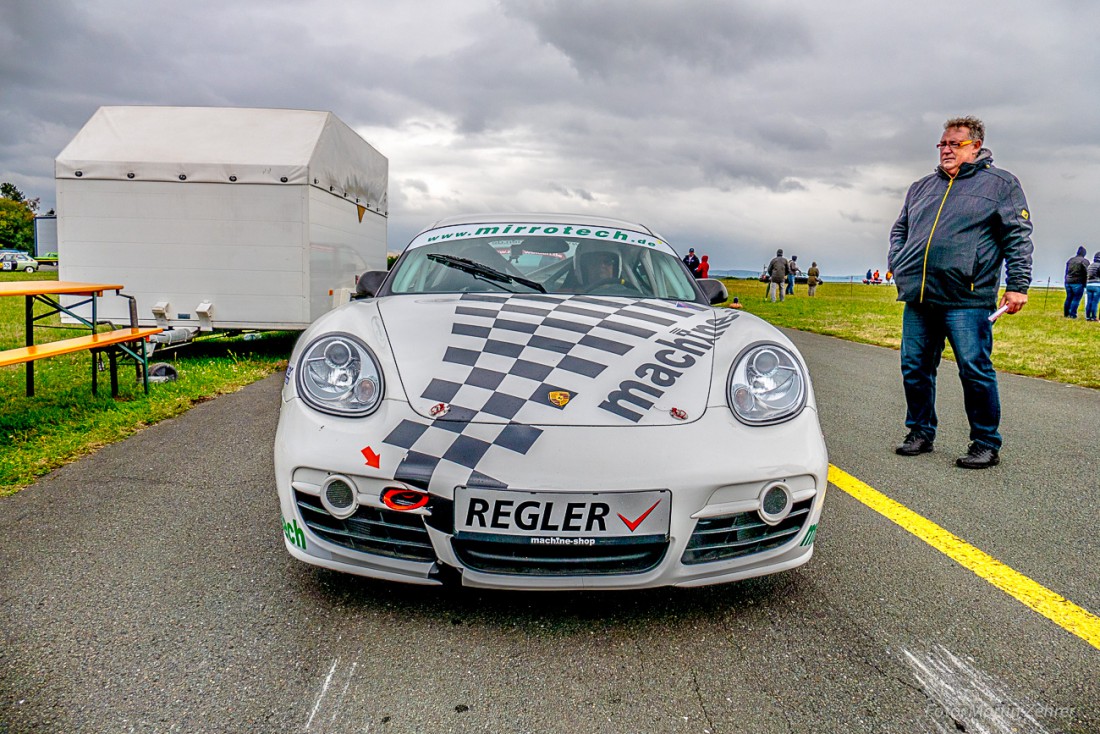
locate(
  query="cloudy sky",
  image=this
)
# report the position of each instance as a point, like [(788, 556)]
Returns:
[(733, 127)]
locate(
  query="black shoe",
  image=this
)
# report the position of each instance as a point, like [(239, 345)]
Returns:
[(978, 457), (914, 444)]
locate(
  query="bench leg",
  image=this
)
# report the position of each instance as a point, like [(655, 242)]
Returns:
[(95, 372), (112, 356), (28, 316)]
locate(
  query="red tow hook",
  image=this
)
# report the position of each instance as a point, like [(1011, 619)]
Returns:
[(403, 499)]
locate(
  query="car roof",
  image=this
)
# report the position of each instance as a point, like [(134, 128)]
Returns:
[(541, 217)]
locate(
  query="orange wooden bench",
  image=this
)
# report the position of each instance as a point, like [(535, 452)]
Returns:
[(127, 340), (108, 341), (19, 355)]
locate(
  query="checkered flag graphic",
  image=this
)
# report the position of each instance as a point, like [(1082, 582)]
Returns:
[(514, 352)]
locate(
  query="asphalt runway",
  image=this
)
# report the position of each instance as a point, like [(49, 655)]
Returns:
[(146, 589)]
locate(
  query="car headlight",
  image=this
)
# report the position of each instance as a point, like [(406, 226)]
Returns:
[(766, 385), (338, 374)]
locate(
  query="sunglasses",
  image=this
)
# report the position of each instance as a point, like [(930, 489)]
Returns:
[(953, 146)]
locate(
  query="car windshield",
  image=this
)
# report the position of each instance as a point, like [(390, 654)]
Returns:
[(542, 265)]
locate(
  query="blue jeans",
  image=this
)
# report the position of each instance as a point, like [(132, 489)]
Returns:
[(790, 283), (924, 331), (1074, 291), (1092, 302)]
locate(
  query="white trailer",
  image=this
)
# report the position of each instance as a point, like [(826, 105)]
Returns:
[(45, 235), (220, 218)]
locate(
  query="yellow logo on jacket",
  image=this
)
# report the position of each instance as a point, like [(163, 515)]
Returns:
[(1024, 214)]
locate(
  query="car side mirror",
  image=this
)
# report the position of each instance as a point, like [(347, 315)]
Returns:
[(369, 283), (714, 290)]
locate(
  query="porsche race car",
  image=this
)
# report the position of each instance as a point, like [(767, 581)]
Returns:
[(551, 402)]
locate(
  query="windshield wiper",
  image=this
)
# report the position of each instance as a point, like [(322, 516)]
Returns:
[(484, 272)]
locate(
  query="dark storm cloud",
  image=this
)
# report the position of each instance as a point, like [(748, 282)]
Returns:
[(572, 193), (643, 38)]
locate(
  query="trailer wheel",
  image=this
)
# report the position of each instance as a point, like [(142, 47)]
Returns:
[(162, 372)]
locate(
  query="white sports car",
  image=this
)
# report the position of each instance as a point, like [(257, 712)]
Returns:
[(547, 401)]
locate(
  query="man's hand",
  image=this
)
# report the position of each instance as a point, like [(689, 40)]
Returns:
[(1015, 301)]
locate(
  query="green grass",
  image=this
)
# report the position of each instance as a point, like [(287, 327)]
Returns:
[(64, 421), (1037, 341)]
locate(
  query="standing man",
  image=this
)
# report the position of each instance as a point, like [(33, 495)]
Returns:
[(1077, 276), (777, 275), (956, 228), (792, 270), (704, 268), (813, 277), (692, 262)]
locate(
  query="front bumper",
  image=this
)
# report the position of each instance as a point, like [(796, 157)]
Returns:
[(715, 467)]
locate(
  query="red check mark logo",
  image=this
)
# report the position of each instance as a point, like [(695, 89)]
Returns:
[(633, 524)]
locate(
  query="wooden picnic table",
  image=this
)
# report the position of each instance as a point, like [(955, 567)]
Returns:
[(46, 292)]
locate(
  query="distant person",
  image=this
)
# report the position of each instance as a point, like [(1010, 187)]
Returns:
[(1077, 275), (957, 227), (1092, 289), (812, 278), (704, 267), (867, 278), (792, 270), (877, 278), (692, 262), (777, 274), (735, 303)]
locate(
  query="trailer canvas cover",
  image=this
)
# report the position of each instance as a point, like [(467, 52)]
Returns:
[(221, 217)]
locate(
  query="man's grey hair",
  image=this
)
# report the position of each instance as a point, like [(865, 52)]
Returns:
[(976, 126)]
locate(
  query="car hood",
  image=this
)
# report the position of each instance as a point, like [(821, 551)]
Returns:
[(553, 360)]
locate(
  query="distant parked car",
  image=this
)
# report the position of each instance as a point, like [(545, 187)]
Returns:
[(18, 261)]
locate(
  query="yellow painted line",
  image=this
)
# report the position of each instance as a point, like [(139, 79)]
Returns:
[(1057, 609)]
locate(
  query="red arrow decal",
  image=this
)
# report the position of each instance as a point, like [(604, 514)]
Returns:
[(372, 458), (634, 525)]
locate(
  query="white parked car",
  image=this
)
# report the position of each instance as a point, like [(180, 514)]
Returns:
[(547, 401)]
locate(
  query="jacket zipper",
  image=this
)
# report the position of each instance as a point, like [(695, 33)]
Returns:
[(928, 245)]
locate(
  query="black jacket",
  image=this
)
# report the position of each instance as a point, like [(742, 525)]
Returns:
[(778, 269), (1077, 270), (1094, 272), (948, 243)]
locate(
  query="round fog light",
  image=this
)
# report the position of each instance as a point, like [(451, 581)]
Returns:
[(338, 497), (775, 503)]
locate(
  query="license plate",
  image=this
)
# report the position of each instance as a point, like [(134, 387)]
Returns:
[(608, 516)]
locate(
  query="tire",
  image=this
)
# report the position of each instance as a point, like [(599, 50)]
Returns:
[(28, 269), (162, 372)]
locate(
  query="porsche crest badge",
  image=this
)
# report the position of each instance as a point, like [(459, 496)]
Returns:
[(559, 398)]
